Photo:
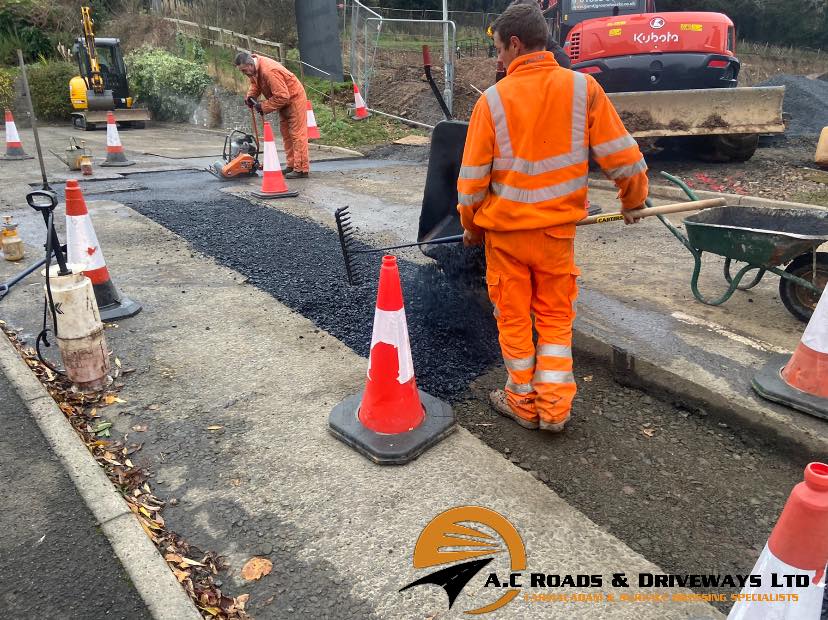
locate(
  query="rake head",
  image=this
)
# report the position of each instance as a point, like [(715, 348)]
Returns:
[(346, 240)]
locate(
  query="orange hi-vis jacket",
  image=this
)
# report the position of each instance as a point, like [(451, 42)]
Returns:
[(525, 162), (276, 84)]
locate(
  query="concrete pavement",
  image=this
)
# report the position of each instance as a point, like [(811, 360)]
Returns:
[(210, 351)]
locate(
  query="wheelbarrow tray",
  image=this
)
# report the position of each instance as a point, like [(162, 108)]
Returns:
[(760, 236)]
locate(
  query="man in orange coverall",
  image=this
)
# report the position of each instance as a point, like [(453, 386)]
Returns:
[(283, 92), (522, 187)]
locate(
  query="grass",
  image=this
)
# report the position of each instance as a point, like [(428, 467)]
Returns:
[(343, 131)]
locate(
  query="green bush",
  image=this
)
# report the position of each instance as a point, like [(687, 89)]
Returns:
[(171, 86), (6, 88), (49, 85)]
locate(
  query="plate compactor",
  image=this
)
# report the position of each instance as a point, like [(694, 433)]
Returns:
[(240, 155)]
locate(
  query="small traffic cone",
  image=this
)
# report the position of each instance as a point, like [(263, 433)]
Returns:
[(391, 421), (313, 130), (14, 148), (273, 181), (114, 150), (792, 564), (84, 251), (360, 111), (802, 382)]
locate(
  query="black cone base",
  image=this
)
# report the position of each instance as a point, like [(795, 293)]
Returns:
[(397, 449), (112, 305), (267, 196), (769, 384)]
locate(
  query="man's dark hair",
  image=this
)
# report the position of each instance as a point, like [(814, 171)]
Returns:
[(243, 58), (524, 21)]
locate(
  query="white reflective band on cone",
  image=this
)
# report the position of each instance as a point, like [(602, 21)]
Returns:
[(112, 138), (82, 243), (391, 328), (807, 607), (360, 102), (11, 132), (271, 158), (311, 119), (816, 333)]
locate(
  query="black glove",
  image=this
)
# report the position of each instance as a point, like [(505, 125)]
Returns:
[(250, 102), (258, 107)]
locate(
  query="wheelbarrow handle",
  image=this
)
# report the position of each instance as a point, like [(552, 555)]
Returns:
[(679, 207)]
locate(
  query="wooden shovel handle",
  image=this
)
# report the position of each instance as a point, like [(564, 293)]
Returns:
[(678, 207)]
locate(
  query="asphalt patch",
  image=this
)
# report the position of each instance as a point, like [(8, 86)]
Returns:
[(453, 334)]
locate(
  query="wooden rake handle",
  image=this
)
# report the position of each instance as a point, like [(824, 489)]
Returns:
[(678, 207)]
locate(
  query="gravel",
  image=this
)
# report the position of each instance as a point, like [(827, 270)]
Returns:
[(806, 100), (298, 262)]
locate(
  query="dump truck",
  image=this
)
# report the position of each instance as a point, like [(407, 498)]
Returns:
[(102, 85)]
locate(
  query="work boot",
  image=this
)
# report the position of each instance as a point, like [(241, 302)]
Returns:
[(499, 401), (295, 174), (553, 427), (287, 170)]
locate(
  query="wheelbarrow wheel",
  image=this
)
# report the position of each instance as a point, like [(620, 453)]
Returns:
[(800, 301)]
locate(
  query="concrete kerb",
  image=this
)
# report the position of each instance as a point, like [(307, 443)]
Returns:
[(153, 580), (733, 200), (634, 371)]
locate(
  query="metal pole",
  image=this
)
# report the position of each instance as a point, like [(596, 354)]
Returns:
[(33, 118), (447, 64)]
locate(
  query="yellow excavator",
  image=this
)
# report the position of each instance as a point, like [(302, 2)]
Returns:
[(102, 84)]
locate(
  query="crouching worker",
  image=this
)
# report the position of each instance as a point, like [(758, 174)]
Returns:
[(282, 91), (521, 189)]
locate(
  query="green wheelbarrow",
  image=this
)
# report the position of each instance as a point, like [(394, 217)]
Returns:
[(765, 239)]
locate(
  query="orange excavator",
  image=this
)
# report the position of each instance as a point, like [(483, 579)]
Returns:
[(669, 75)]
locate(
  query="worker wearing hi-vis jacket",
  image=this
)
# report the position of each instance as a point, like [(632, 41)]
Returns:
[(522, 187), (282, 91)]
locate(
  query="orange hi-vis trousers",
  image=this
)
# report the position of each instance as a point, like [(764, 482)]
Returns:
[(533, 272)]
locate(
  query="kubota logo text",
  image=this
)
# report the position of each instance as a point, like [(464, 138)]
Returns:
[(655, 37), (456, 535)]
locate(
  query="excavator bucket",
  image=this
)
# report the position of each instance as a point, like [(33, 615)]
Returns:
[(700, 112)]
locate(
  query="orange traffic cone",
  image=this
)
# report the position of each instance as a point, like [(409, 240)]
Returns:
[(360, 111), (114, 150), (84, 252), (14, 148), (802, 382), (313, 130), (788, 579), (391, 421), (273, 181)]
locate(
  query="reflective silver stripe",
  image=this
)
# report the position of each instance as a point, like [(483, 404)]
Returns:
[(467, 200), (504, 143), (613, 146), (522, 363), (553, 376), (475, 172), (533, 196), (554, 350), (579, 111), (525, 166), (520, 388), (624, 172)]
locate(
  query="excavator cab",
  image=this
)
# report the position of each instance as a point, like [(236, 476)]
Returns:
[(112, 68)]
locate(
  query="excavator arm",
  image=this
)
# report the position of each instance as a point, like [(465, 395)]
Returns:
[(95, 80)]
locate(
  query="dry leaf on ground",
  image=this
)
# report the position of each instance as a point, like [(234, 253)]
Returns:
[(256, 568), (140, 428)]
